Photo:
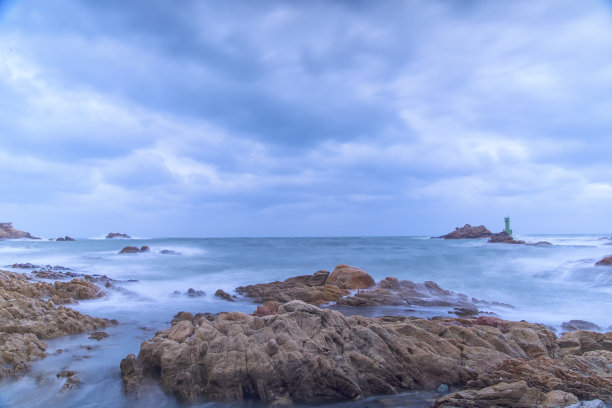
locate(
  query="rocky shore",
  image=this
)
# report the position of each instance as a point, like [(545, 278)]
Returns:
[(8, 232), (31, 312), (468, 232), (309, 354)]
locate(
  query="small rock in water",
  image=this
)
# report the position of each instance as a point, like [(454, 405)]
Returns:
[(224, 295), (98, 336), (575, 325), (442, 388), (191, 292), (465, 311), (607, 261), (169, 252)]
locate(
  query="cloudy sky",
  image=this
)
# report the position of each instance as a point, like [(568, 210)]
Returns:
[(285, 118)]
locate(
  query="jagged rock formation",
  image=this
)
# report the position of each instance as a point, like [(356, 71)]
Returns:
[(26, 320), (468, 232), (308, 354), (134, 250), (505, 238), (8, 232)]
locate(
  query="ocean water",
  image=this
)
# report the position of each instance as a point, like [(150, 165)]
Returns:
[(547, 285)]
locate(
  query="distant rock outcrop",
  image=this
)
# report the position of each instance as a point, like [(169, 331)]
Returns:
[(607, 261), (468, 232), (116, 235), (504, 238), (66, 238), (8, 232), (134, 250)]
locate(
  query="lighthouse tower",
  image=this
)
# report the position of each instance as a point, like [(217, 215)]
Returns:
[(507, 221)]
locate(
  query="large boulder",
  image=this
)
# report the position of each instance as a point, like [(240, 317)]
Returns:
[(350, 277), (309, 354), (468, 232)]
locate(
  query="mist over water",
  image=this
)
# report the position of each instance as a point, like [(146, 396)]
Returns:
[(545, 285)]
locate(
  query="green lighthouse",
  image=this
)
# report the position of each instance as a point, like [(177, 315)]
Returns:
[(507, 221)]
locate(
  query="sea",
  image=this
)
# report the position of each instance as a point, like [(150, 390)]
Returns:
[(544, 284)]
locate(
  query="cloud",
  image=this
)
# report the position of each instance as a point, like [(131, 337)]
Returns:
[(305, 118)]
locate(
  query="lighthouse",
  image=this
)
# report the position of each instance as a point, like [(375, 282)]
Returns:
[(507, 221)]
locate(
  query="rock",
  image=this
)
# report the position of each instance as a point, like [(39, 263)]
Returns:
[(8, 232), (514, 394), (115, 235), (307, 288), (66, 238), (191, 292), (169, 252), (504, 238), (224, 295), (134, 250), (72, 380), (99, 335), (588, 404), (309, 354), (557, 398), (132, 374), (468, 232), (607, 261), (60, 292), (267, 309), (582, 341), (465, 311), (575, 325), (540, 244), (349, 277)]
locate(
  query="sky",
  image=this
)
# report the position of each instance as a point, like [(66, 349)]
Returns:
[(315, 118)]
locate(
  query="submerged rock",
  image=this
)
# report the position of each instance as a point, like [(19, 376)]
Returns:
[(115, 235), (66, 238), (468, 232), (169, 252), (309, 354)]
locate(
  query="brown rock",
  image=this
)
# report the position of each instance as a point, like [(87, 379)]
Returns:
[(558, 398), (349, 277), (114, 235), (308, 354), (267, 309), (129, 250), (99, 335), (607, 261), (8, 232), (468, 232), (575, 325), (132, 374), (504, 238), (224, 295)]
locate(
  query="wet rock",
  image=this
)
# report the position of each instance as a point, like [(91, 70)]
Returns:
[(134, 250), (465, 311), (115, 235), (607, 261), (224, 295), (24, 266), (309, 354), (99, 335), (504, 238), (72, 380), (132, 374), (318, 279), (191, 292), (468, 232), (66, 238), (349, 277), (575, 325), (540, 244), (582, 341)]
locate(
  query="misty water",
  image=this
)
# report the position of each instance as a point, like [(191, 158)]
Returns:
[(547, 285)]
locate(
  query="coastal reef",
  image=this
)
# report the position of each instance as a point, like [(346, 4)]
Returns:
[(29, 315), (468, 232), (309, 354), (8, 232), (117, 235)]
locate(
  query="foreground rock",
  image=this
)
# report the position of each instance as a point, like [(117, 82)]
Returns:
[(308, 354), (349, 277), (115, 235), (607, 261), (468, 232), (26, 319), (8, 232)]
